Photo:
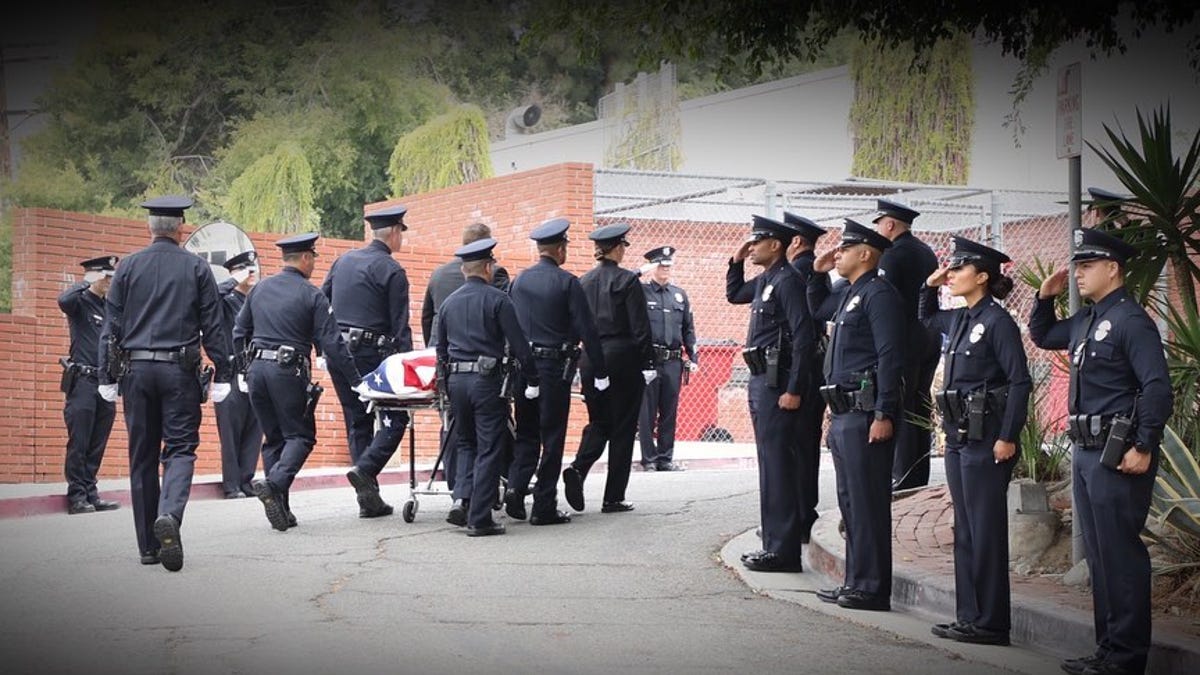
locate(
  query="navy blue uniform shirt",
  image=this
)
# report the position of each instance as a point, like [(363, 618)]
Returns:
[(1122, 355), (553, 310), (163, 298), (619, 307), (369, 289), (778, 317), (982, 349), (477, 320), (906, 265), (85, 318), (868, 334), (445, 280), (670, 314), (286, 309)]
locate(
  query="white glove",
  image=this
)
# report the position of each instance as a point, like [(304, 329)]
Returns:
[(322, 364), (361, 388), (108, 392), (648, 267), (242, 386), (601, 383), (218, 391), (532, 392), (93, 276), (692, 366), (241, 275), (649, 375)]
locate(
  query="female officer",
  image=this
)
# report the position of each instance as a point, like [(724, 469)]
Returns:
[(986, 389)]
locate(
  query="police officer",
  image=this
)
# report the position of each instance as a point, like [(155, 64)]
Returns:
[(237, 427), (445, 280), (474, 325), (554, 316), (863, 364), (283, 317), (163, 302), (984, 399), (780, 344), (1119, 401), (619, 307), (907, 264), (369, 293), (88, 417), (673, 333)]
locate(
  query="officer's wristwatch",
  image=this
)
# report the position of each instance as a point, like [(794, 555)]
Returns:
[(881, 416)]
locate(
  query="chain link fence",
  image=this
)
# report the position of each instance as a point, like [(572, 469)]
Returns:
[(707, 217)]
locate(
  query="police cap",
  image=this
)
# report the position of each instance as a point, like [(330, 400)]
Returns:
[(807, 228), (769, 228), (1106, 202), (105, 263), (551, 232), (387, 217), (243, 259), (168, 205), (1093, 244), (967, 252), (298, 243), (855, 233), (887, 207), (477, 250), (608, 234), (663, 255)]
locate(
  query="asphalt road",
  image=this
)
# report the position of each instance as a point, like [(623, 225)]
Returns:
[(641, 592)]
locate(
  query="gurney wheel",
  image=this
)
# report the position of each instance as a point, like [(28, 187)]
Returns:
[(410, 511)]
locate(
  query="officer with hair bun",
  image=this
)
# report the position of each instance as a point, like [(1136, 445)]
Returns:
[(983, 402)]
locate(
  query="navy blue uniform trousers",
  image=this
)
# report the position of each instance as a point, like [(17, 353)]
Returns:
[(541, 425), (481, 425), (369, 450), (278, 397), (241, 441), (660, 404), (864, 490), (612, 416), (162, 417), (89, 421), (776, 434)]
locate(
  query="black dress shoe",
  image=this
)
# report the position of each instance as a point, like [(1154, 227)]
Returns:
[(942, 630), (668, 466), (861, 600), (170, 546), (235, 495), (366, 490), (770, 562), (514, 504), (81, 506), (150, 557), (458, 513), (104, 504), (1077, 666), (272, 504), (291, 518), (556, 518), (573, 487), (978, 636), (753, 554), (1107, 668), (486, 530), (831, 595), (616, 507), (648, 466)]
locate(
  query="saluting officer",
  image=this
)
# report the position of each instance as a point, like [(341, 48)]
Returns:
[(474, 324), (673, 332), (863, 365), (554, 316), (1119, 402), (283, 318), (89, 417), (907, 264), (802, 253), (984, 399), (241, 438), (619, 307), (163, 302), (780, 347), (369, 293)]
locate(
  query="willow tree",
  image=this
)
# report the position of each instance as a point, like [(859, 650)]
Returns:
[(450, 149), (275, 194)]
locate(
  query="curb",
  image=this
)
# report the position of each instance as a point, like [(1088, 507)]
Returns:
[(1054, 629)]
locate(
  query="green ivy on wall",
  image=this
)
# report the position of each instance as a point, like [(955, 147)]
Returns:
[(908, 124), (450, 149)]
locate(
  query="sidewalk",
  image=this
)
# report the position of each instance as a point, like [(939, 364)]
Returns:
[(1046, 615)]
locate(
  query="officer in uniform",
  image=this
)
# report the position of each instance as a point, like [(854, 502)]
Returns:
[(1119, 401), (802, 253), (555, 317), (619, 307), (1105, 203), (162, 303), (907, 264), (283, 318), (983, 401), (863, 365), (241, 439), (369, 293), (474, 325), (780, 348), (89, 418), (673, 333)]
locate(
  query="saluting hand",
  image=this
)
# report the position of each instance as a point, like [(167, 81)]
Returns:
[(1134, 462), (742, 252), (789, 401), (938, 277), (1054, 284), (824, 262)]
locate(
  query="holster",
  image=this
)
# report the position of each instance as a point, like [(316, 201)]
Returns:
[(864, 398), (1118, 442), (68, 376), (509, 381), (487, 365), (835, 398), (287, 356), (189, 359), (312, 395), (354, 339), (569, 363), (771, 356), (118, 360), (1089, 431), (205, 377), (950, 404), (756, 359)]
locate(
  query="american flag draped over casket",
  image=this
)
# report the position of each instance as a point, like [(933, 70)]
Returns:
[(409, 375)]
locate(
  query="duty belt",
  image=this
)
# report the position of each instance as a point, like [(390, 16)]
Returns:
[(171, 356), (464, 367), (1089, 431), (280, 354), (663, 353), (552, 352), (366, 336)]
